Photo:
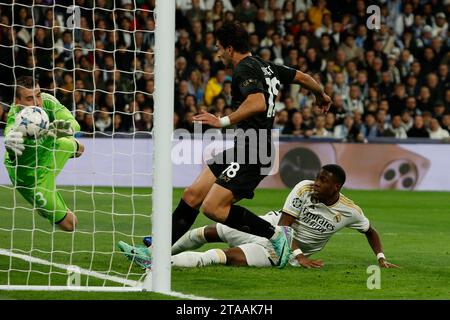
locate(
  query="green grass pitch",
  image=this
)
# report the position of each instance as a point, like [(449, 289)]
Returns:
[(414, 229)]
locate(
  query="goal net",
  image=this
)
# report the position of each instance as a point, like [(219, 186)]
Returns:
[(99, 62)]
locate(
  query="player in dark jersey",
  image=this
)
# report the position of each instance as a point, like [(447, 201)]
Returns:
[(255, 86)]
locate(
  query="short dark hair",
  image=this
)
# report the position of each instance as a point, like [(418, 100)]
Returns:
[(337, 172), (233, 34), (24, 82)]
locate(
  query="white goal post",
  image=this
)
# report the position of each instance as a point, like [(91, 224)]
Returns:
[(162, 173), (35, 255)]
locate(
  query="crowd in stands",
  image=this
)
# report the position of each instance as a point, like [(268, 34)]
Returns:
[(387, 77)]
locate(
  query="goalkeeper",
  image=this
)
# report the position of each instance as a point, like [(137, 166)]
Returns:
[(34, 164)]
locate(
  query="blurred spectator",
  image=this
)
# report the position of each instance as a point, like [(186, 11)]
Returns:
[(338, 108), (350, 49), (245, 11), (443, 76), (226, 92), (330, 121), (316, 13), (214, 86), (436, 132), (180, 95), (407, 120), (87, 126), (227, 4), (117, 124), (181, 67), (370, 127), (392, 69), (440, 25), (340, 87), (308, 118), (405, 19), (104, 120), (196, 12), (411, 107), (447, 100), (397, 102), (281, 120), (424, 102), (347, 131), (145, 122), (319, 130), (439, 110), (396, 129), (195, 85), (327, 25), (295, 126), (354, 102), (418, 129), (446, 122)]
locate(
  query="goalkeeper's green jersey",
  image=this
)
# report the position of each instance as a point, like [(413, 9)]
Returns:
[(37, 158)]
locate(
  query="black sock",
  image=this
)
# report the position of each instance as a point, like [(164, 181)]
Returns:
[(182, 219), (244, 220)]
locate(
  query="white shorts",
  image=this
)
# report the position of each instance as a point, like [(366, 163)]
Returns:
[(258, 251)]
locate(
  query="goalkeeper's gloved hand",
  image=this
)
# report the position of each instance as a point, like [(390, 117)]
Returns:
[(59, 129), (14, 142)]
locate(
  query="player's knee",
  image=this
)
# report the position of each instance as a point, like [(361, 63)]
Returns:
[(235, 257), (212, 210), (192, 197), (211, 234)]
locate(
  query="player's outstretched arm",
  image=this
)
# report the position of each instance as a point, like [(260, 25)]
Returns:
[(374, 240), (322, 99), (253, 104)]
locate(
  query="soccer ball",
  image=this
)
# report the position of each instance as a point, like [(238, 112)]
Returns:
[(31, 121)]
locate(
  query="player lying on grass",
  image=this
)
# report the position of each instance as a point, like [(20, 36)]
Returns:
[(33, 164), (315, 209)]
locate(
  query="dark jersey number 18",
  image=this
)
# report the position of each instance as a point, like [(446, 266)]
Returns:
[(273, 84)]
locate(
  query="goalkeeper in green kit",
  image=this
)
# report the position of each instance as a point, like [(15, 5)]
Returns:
[(34, 164)]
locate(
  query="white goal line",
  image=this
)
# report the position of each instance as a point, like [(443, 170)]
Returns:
[(67, 267), (133, 286)]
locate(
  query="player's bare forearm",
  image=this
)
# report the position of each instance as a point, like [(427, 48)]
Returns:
[(374, 240), (308, 82), (322, 99), (255, 103)]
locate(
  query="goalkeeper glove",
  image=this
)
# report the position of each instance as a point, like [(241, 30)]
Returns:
[(14, 142), (59, 129)]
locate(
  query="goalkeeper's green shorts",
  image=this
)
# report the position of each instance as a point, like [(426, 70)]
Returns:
[(43, 195)]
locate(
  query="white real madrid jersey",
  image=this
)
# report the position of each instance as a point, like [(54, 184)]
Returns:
[(316, 222)]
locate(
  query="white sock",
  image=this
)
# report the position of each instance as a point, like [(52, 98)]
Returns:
[(191, 240), (191, 259)]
